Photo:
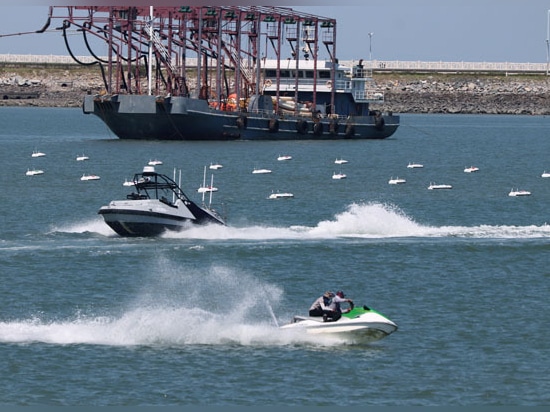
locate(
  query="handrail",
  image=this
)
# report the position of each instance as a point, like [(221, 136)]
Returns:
[(375, 65)]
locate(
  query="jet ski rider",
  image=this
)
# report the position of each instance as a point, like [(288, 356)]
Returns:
[(337, 300), (328, 306)]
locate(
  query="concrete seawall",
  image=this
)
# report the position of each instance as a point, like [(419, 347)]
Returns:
[(405, 92)]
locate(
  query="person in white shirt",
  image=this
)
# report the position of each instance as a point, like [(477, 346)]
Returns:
[(337, 300), (321, 306)]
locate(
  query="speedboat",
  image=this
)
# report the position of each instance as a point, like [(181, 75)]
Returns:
[(284, 157), (215, 166), (433, 186), (154, 162), (340, 161), (415, 166), (36, 153), (471, 169), (81, 158), (361, 322), (280, 195), (396, 181), (90, 177), (339, 175), (206, 189), (261, 171), (518, 192), (158, 204), (34, 172), (545, 174)]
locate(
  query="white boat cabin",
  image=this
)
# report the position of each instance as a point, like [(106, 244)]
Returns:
[(303, 74)]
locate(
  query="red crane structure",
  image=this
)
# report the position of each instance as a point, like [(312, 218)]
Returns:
[(216, 40), (244, 69)]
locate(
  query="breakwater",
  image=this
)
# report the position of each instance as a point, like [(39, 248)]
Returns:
[(471, 93), (467, 93)]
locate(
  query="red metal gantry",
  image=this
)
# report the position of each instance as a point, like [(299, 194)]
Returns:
[(222, 47)]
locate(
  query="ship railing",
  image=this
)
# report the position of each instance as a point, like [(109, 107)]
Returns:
[(368, 96), (362, 73), (321, 83), (342, 85), (263, 113), (270, 114)]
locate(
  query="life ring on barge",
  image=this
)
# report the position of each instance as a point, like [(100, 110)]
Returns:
[(301, 126), (242, 122), (273, 125), (268, 83)]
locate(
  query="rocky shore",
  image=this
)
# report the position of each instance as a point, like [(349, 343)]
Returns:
[(23, 86), (466, 93), (404, 92)]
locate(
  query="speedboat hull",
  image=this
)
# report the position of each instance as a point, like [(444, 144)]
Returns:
[(152, 217), (362, 322)]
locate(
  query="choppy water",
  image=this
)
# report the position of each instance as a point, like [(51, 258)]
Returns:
[(89, 318)]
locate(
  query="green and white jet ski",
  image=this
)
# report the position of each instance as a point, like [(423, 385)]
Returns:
[(360, 322)]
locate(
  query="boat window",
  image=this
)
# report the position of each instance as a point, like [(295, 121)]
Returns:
[(272, 73), (293, 73), (325, 74)]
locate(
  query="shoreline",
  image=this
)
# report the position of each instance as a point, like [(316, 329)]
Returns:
[(466, 93), (454, 93)]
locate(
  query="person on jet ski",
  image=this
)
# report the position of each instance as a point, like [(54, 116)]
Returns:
[(321, 307), (337, 300)]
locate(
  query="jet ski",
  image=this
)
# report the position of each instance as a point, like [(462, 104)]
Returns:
[(359, 322)]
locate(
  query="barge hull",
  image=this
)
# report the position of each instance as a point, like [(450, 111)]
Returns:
[(144, 117)]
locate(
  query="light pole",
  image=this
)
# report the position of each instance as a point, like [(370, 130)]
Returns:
[(370, 47), (547, 42)]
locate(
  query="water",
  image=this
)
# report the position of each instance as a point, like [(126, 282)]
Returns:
[(89, 318)]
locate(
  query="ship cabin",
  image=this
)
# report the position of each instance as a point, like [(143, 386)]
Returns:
[(289, 81)]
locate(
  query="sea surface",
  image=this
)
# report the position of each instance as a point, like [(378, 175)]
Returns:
[(191, 318)]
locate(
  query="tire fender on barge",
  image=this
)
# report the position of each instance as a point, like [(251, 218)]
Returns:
[(350, 129), (273, 125), (242, 122), (333, 126), (301, 126), (379, 121)]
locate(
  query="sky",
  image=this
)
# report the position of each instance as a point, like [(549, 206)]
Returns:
[(405, 30)]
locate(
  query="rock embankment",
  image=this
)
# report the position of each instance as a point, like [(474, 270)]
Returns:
[(47, 88), (404, 93), (467, 94)]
